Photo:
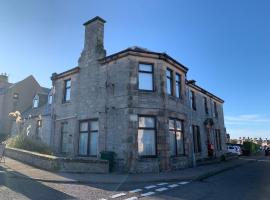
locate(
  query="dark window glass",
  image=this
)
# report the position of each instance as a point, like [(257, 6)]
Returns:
[(205, 105), (67, 90), (218, 140), (215, 110), (146, 77), (169, 79), (193, 100), (178, 85), (196, 138)]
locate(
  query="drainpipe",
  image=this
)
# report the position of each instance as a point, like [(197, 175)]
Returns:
[(190, 117)]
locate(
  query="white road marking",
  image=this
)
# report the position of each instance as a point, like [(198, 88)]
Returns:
[(102, 199), (134, 191), (183, 182), (118, 195), (132, 198), (160, 184), (150, 187), (161, 189), (147, 194), (173, 185)]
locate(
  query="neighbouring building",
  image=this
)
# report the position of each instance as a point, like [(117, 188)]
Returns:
[(136, 103), (15, 97)]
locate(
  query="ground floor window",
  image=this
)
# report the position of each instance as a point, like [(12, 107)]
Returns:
[(147, 136), (64, 137), (88, 138), (38, 128), (218, 139), (196, 139), (176, 137)]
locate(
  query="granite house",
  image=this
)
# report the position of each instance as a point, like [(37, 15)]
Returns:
[(136, 103)]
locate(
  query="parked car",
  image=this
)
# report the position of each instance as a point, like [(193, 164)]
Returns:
[(234, 149)]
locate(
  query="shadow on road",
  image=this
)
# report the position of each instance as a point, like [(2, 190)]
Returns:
[(29, 188)]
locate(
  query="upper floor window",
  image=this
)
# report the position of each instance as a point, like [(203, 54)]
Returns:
[(50, 99), (205, 105), (215, 109), (35, 101), (169, 76), (147, 136), (146, 77), (176, 137), (193, 100), (67, 90), (178, 85)]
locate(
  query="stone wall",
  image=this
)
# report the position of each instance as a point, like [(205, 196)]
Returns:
[(53, 163)]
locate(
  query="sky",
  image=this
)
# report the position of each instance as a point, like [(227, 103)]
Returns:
[(225, 45)]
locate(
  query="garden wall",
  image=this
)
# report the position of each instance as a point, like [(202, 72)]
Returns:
[(61, 164)]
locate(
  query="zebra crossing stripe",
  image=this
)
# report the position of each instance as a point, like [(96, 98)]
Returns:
[(183, 182), (160, 184), (134, 191), (118, 195), (173, 185), (161, 189), (150, 187), (147, 194), (132, 198)]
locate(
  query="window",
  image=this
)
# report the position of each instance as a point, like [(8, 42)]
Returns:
[(196, 139), (205, 105), (88, 139), (50, 99), (15, 96), (215, 110), (39, 123), (67, 90), (178, 85), (35, 101), (169, 76), (218, 139), (193, 100), (64, 137), (176, 137), (38, 128), (147, 136), (146, 77)]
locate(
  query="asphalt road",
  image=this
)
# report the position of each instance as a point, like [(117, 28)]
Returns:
[(249, 182)]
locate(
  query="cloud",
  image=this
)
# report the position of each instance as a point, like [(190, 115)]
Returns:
[(248, 125), (246, 119)]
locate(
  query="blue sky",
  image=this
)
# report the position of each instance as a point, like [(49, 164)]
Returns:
[(225, 45)]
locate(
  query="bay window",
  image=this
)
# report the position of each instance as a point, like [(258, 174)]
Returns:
[(169, 81), (147, 136), (176, 137), (178, 85), (145, 77)]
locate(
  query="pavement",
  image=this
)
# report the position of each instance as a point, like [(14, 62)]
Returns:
[(197, 173), (24, 182)]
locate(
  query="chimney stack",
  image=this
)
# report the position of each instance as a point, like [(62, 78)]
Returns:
[(93, 42), (3, 78)]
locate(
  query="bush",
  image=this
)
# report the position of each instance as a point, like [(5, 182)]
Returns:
[(28, 143)]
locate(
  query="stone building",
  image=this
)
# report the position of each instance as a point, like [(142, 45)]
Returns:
[(136, 103), (15, 97)]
